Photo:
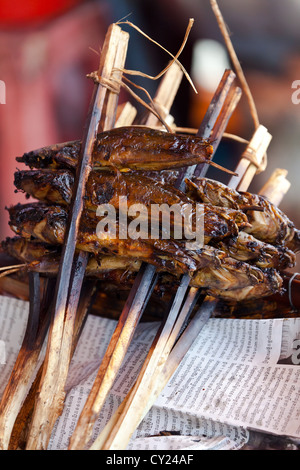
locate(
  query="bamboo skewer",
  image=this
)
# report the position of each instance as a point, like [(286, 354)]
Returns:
[(25, 412), (162, 375), (156, 370), (126, 114), (133, 309), (176, 355), (27, 360), (204, 312), (212, 127), (131, 314), (276, 186), (251, 159), (166, 94), (50, 398), (225, 100)]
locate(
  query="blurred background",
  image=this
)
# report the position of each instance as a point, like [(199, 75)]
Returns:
[(47, 48)]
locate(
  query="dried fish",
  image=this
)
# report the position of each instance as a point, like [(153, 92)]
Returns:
[(135, 148), (56, 187), (219, 274), (268, 222)]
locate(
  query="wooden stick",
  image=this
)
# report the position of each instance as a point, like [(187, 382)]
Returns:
[(161, 377), (14, 287), (237, 66), (112, 436), (208, 306), (150, 381), (208, 128), (136, 400), (27, 359), (129, 318), (126, 114), (166, 94), (254, 152), (72, 267), (20, 430), (276, 187), (135, 404), (118, 346)]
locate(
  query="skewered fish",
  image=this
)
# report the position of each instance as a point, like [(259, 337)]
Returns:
[(48, 224), (219, 273), (135, 148), (245, 247), (56, 187), (269, 224), (271, 284)]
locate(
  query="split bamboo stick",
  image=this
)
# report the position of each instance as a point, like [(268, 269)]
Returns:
[(136, 404), (50, 398), (27, 360), (134, 306), (276, 187)]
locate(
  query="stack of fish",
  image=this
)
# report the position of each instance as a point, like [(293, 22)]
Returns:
[(247, 241)]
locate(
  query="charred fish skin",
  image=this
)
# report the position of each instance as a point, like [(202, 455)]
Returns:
[(135, 148), (294, 243), (64, 155), (148, 149), (271, 284), (46, 185), (48, 224), (29, 251), (269, 224), (222, 276), (56, 187), (38, 221), (215, 193), (245, 247)]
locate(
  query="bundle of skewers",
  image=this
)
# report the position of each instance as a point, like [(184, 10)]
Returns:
[(248, 243)]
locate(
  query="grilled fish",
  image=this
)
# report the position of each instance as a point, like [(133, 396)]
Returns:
[(245, 247), (48, 224), (134, 148), (56, 187), (221, 275), (271, 284), (247, 240), (269, 223)]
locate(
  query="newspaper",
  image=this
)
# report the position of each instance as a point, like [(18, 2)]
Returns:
[(238, 376)]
